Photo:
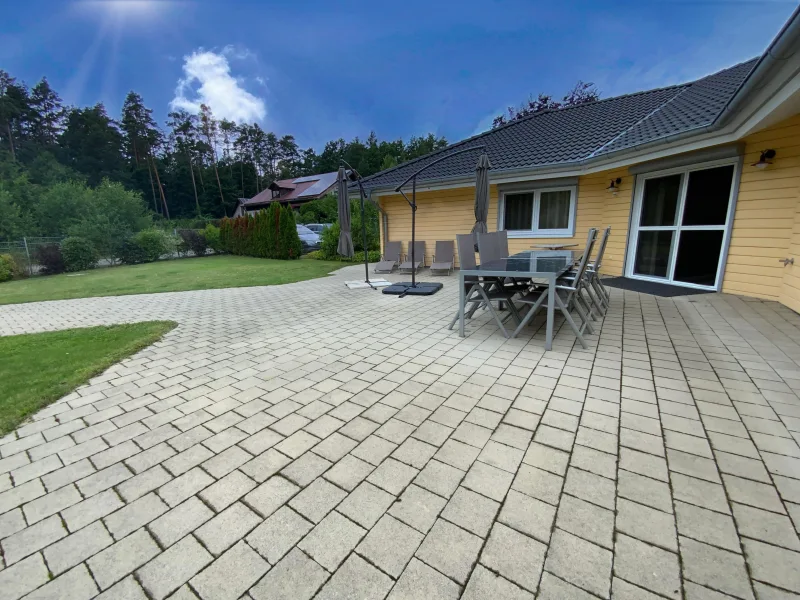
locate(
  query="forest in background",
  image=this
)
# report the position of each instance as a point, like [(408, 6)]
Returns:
[(194, 167)]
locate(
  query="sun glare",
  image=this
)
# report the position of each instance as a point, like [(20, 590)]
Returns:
[(126, 8)]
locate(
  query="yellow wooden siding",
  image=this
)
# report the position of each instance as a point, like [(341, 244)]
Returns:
[(441, 214), (767, 218)]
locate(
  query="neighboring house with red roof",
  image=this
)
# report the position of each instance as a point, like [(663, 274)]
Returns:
[(294, 192)]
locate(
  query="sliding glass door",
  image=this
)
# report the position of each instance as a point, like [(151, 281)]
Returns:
[(680, 225)]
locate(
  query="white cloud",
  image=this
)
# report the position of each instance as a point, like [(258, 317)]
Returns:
[(208, 80)]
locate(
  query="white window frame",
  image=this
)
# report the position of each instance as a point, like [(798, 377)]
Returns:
[(535, 232), (636, 215)]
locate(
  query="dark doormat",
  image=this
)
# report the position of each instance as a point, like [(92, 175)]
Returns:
[(648, 287)]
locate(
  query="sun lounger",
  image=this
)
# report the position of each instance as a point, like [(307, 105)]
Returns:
[(419, 257), (390, 258), (443, 259)]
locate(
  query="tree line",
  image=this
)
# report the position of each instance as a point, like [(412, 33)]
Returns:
[(195, 165)]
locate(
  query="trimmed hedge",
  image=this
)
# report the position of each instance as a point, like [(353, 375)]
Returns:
[(271, 233), (79, 254)]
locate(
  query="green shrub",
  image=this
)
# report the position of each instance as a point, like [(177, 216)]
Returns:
[(358, 257), (79, 254), (271, 233), (289, 246), (155, 243), (212, 234), (315, 255), (8, 268), (132, 253), (329, 242)]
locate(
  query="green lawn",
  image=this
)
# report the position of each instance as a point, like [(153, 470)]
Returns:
[(165, 276), (39, 368)]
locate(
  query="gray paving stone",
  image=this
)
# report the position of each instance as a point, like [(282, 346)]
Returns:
[(515, 556), (124, 557), (181, 488), (766, 526), (227, 528), (26, 575), (647, 566), (231, 574), (77, 584), (753, 493), (700, 493), (440, 478), (471, 511), (356, 579), (31, 539), (278, 534), (450, 550), (76, 548), (415, 453), (334, 447), (586, 520), (553, 588), (485, 584), (646, 524), (265, 465), (331, 540), (348, 472), (132, 516), (270, 495), (173, 567), (306, 468), (392, 476), (580, 562), (772, 565), (317, 500), (50, 504), (644, 490), (227, 490), (374, 450), (715, 568), (20, 495), (184, 518), (420, 581), (706, 526), (366, 504), (390, 545), (226, 462), (296, 577), (418, 508), (488, 480), (11, 522), (590, 487), (457, 454), (547, 458)]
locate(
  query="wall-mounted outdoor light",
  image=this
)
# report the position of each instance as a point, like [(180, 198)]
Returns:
[(765, 160), (614, 187)]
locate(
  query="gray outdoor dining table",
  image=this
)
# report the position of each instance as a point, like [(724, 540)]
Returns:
[(546, 266)]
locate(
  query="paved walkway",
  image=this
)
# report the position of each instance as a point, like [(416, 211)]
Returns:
[(312, 441)]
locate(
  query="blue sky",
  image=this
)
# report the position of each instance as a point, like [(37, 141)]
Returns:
[(322, 70)]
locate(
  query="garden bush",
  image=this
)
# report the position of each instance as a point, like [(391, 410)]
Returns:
[(8, 268), (195, 240), (50, 259), (212, 237), (131, 253), (271, 233), (155, 243), (358, 257), (79, 254)]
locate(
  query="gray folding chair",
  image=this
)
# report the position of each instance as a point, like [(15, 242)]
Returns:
[(494, 246), (477, 292), (419, 257), (598, 295), (444, 258), (390, 258), (565, 296)]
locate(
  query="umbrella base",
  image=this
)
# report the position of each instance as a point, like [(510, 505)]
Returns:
[(406, 288)]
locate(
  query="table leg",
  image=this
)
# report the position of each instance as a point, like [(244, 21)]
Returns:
[(461, 300), (551, 310)]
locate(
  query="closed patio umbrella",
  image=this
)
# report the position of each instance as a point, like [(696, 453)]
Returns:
[(481, 195), (345, 238)]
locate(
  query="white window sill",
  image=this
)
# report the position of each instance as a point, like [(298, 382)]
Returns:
[(540, 235)]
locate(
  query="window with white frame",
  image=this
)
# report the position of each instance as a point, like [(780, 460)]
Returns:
[(546, 212)]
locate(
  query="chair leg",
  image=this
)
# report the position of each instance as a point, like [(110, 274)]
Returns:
[(497, 318), (586, 326), (601, 289), (531, 313), (560, 305), (595, 302), (580, 304), (467, 315)]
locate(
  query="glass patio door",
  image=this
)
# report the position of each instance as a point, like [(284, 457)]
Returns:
[(680, 226)]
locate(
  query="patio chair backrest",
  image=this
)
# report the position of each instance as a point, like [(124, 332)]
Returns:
[(444, 251), (502, 237), (601, 249), (392, 251), (590, 240), (489, 245), (466, 250), (419, 252)]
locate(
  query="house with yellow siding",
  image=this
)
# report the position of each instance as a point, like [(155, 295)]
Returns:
[(700, 182)]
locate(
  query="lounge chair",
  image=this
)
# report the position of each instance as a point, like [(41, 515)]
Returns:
[(390, 258), (419, 257), (443, 259)]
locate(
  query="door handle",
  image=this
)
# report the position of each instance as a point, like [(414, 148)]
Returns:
[(786, 261)]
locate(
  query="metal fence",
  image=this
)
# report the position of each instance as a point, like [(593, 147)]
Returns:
[(25, 251)]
